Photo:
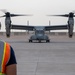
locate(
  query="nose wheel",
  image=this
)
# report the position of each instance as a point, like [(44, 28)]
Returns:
[(47, 40), (8, 31), (30, 40)]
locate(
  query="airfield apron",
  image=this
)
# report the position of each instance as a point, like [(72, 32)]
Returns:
[(4, 56)]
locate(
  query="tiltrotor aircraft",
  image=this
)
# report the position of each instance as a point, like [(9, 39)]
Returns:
[(39, 30)]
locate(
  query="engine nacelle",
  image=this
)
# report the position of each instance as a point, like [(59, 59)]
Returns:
[(0, 25), (70, 30), (70, 27), (7, 26), (8, 30)]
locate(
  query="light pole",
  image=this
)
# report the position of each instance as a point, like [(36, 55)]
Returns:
[(28, 25), (49, 25)]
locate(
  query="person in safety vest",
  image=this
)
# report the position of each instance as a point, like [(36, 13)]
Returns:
[(8, 64)]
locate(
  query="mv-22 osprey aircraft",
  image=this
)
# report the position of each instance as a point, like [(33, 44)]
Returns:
[(39, 30)]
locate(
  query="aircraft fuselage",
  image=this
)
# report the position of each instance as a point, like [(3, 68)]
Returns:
[(39, 35)]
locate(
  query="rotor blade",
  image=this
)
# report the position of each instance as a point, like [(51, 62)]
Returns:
[(66, 15), (3, 16), (8, 14), (73, 11), (3, 10), (74, 15), (13, 15)]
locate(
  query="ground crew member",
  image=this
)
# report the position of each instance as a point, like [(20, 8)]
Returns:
[(7, 60)]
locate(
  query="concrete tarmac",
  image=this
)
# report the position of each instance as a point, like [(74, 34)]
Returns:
[(54, 58)]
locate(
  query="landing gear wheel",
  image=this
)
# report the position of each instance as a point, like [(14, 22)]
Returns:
[(47, 40), (30, 40), (39, 41)]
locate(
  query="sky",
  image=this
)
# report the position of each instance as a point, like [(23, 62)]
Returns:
[(39, 9)]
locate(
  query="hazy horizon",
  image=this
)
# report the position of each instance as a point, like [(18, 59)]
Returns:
[(39, 9)]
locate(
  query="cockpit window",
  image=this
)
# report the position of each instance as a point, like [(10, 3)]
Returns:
[(39, 32)]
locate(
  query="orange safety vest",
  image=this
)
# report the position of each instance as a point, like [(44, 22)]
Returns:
[(4, 56)]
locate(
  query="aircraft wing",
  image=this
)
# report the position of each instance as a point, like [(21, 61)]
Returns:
[(56, 27), (22, 27)]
